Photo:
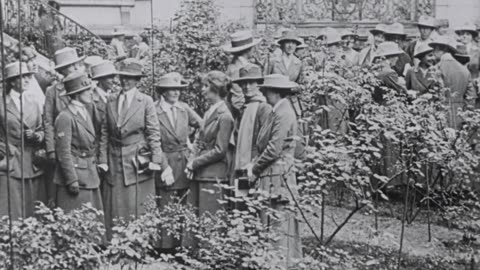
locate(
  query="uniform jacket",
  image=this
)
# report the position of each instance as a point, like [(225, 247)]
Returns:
[(32, 119), (474, 64), (54, 104), (418, 81), (174, 141), (457, 77), (76, 150), (389, 78), (402, 61), (213, 157), (276, 145), (366, 56), (99, 111), (236, 99), (121, 142), (294, 70)]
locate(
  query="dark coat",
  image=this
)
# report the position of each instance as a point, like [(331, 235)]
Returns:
[(402, 61), (121, 142), (293, 72), (276, 145), (418, 81), (54, 104), (474, 64), (213, 157), (457, 77), (32, 119), (389, 78), (76, 150), (174, 142), (261, 119)]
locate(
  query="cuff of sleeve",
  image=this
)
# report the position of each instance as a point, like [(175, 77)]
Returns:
[(160, 159), (67, 183)]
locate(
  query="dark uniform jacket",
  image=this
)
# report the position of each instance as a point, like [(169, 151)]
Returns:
[(174, 141), (212, 161), (122, 142), (76, 150), (417, 80), (54, 104), (32, 119)]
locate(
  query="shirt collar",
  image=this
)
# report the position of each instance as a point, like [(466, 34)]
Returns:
[(14, 95), (130, 94), (77, 106), (278, 104)]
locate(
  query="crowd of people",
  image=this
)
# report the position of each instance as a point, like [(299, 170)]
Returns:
[(94, 140)]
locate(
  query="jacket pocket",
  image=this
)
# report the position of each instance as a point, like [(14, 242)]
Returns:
[(80, 163)]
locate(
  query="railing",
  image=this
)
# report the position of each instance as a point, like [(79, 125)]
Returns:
[(48, 29)]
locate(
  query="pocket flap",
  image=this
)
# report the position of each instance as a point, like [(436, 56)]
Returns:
[(80, 163)]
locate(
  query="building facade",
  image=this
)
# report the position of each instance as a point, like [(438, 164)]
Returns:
[(102, 15)]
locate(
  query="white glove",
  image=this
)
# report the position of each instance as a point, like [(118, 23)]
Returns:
[(154, 167), (103, 167), (167, 176)]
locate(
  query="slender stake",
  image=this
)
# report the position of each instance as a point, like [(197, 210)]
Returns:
[(322, 225), (22, 137), (7, 146), (152, 47), (428, 202), (405, 206)]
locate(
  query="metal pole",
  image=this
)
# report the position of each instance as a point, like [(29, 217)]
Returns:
[(152, 47), (22, 138), (7, 146)]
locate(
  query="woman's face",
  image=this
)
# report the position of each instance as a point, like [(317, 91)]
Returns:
[(270, 96), (21, 83), (85, 97), (393, 60), (210, 96), (428, 59), (289, 47), (32, 64), (465, 37), (107, 83), (171, 96), (249, 88), (128, 82), (425, 32), (348, 42), (379, 38), (79, 66)]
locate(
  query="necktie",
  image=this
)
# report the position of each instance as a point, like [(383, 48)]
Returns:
[(123, 109), (174, 116)]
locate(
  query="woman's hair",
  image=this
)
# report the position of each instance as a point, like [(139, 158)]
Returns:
[(219, 83)]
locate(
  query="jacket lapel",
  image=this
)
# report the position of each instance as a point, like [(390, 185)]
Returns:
[(294, 66), (87, 125), (180, 119), (164, 121), (133, 108)]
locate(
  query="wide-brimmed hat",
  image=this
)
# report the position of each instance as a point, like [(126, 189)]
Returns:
[(119, 31), (103, 69), (348, 33), (333, 38), (290, 36), (396, 29), (131, 67), (461, 54), (445, 41), (388, 48), (427, 21), (12, 70), (443, 23), (172, 80), (250, 73), (468, 27), (92, 60), (379, 29), (421, 49), (65, 57), (278, 82), (76, 82), (240, 41), (302, 46)]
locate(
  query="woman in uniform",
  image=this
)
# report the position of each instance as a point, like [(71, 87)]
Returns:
[(22, 195)]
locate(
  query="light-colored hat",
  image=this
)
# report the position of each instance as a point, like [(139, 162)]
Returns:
[(446, 41), (131, 67), (388, 48), (421, 49), (396, 29), (278, 81), (250, 73), (172, 80), (119, 31), (12, 70), (302, 46), (281, 32), (379, 29), (333, 38), (468, 27), (443, 23), (66, 56), (240, 41), (92, 60), (290, 36), (427, 21), (103, 69), (76, 82), (461, 54), (348, 33)]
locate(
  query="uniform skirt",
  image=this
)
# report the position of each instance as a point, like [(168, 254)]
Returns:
[(69, 202), (205, 196), (34, 191)]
